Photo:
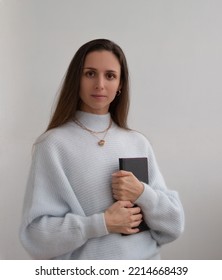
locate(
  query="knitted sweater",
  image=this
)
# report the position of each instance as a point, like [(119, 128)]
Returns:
[(69, 188)]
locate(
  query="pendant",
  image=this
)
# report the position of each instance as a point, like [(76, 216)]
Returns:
[(101, 143)]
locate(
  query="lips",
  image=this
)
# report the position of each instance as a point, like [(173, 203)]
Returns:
[(99, 96)]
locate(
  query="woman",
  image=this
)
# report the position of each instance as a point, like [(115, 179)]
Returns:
[(78, 205)]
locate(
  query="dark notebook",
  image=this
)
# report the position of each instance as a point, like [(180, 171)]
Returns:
[(139, 167)]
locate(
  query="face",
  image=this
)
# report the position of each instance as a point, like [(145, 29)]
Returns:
[(100, 81)]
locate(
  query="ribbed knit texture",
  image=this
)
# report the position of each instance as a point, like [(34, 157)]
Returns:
[(69, 188)]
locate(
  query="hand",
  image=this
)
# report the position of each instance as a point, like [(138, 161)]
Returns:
[(126, 186), (122, 217)]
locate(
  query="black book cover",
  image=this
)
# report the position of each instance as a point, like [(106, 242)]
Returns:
[(139, 167)]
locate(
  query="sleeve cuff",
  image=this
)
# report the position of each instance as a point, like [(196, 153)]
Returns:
[(95, 226), (148, 198)]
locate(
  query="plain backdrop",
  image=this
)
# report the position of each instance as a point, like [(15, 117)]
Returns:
[(174, 52)]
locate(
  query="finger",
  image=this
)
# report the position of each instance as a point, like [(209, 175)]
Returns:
[(121, 173), (118, 181), (138, 218), (116, 196), (135, 218), (131, 230), (120, 194), (125, 204), (135, 224), (115, 179), (117, 193), (115, 185), (135, 210)]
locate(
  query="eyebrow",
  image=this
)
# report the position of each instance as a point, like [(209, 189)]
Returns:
[(92, 68)]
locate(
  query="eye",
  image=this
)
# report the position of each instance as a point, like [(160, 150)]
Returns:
[(110, 76), (90, 74)]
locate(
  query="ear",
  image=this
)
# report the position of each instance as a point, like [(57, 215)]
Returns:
[(119, 87), (118, 92)]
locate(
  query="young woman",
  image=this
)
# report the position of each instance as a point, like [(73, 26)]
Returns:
[(78, 205)]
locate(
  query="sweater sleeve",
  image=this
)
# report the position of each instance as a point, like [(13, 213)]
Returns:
[(54, 223), (161, 207)]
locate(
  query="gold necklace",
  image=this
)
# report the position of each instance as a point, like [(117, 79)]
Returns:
[(101, 141)]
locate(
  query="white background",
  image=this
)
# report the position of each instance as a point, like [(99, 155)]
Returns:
[(174, 52)]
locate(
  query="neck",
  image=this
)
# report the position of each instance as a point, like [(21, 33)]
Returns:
[(94, 124), (92, 121)]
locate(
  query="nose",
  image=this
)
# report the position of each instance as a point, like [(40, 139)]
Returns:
[(100, 83)]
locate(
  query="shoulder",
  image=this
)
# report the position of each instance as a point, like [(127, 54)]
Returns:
[(134, 138), (130, 132), (138, 134), (139, 137), (55, 136)]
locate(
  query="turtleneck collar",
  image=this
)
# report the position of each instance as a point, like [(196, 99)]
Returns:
[(93, 121)]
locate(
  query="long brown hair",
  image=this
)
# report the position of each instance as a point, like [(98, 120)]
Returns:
[(69, 101)]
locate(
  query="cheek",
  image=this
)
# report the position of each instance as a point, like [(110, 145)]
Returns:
[(113, 95), (113, 89), (84, 88)]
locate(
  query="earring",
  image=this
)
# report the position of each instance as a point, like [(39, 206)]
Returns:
[(118, 92)]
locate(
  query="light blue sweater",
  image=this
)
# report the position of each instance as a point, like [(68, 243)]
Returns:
[(69, 188)]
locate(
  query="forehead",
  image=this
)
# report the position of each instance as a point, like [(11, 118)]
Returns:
[(103, 60)]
